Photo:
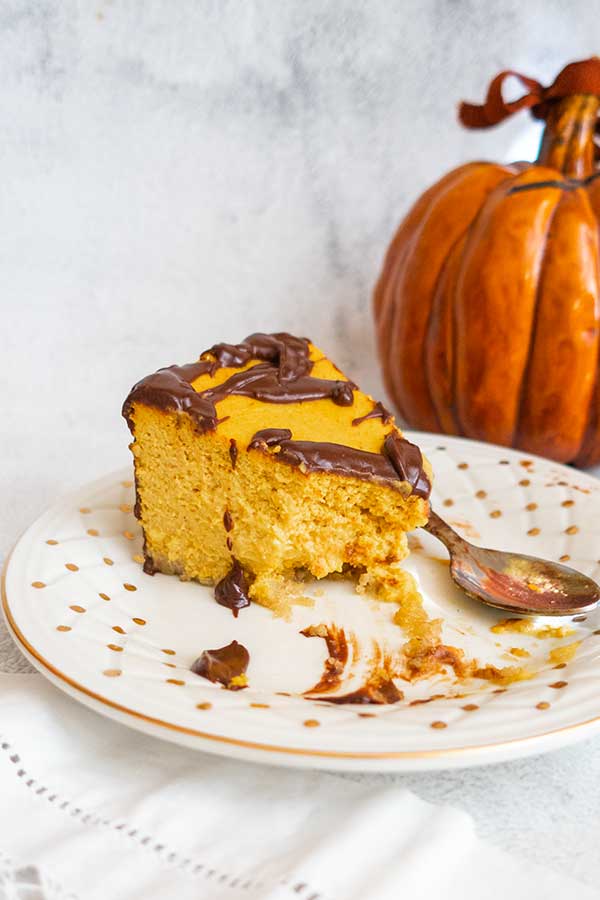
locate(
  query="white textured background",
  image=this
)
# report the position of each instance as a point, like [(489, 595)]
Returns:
[(175, 173)]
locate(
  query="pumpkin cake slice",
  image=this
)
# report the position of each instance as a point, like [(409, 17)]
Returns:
[(262, 460)]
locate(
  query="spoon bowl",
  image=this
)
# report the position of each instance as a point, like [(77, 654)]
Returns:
[(515, 582)]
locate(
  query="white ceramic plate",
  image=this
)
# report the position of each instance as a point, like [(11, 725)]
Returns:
[(122, 642)]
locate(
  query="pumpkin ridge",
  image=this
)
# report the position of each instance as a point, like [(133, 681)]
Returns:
[(561, 381), (384, 306), (588, 453), (453, 404), (428, 327), (389, 259), (533, 330), (464, 236), (467, 234), (446, 417), (396, 394), (403, 252), (413, 293), (494, 308), (402, 255)]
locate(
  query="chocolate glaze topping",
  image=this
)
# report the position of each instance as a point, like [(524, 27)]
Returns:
[(227, 520), (282, 377), (378, 412), (407, 460), (342, 460), (223, 664), (270, 437), (232, 591), (263, 382), (287, 353), (171, 389)]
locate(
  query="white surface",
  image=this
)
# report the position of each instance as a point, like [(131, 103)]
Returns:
[(87, 613), (169, 822), (179, 173)]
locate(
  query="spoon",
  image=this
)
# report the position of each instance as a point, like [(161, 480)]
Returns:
[(513, 581)]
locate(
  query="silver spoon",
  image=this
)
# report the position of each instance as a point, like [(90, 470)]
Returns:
[(513, 581)]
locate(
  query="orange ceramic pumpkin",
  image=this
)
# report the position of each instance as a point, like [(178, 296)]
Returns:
[(488, 305)]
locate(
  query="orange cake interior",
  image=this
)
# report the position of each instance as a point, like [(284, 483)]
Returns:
[(261, 461)]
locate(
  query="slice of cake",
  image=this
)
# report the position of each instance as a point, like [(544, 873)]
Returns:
[(261, 461)]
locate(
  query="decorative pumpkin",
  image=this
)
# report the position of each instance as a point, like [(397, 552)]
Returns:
[(488, 305)]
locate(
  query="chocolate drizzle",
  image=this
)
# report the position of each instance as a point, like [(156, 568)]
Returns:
[(223, 664), (270, 437), (232, 591), (263, 382), (171, 389), (407, 460), (282, 376), (289, 354), (378, 412), (313, 456)]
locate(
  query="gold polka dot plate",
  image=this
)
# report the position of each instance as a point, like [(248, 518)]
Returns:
[(80, 607)]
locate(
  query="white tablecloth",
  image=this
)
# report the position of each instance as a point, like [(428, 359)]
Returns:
[(93, 810)]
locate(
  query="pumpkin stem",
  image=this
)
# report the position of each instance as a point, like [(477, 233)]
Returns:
[(568, 140)]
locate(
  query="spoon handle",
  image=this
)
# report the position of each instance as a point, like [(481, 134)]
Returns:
[(441, 530)]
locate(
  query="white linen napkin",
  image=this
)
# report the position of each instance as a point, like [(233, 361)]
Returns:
[(93, 810)]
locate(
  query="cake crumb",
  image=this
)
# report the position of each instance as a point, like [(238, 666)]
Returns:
[(564, 654), (530, 627)]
